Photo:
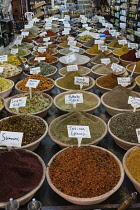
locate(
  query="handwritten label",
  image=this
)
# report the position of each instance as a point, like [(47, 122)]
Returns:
[(28, 26), (105, 60), (35, 70), (46, 39), (25, 33), (72, 43), (99, 42), (117, 68), (77, 131), (74, 98), (134, 101), (39, 59), (3, 58), (12, 139), (41, 49), (43, 34), (133, 45), (70, 58), (65, 32), (74, 49), (70, 38), (84, 25), (1, 69), (124, 81), (83, 21), (14, 51), (122, 42), (102, 48), (48, 27), (18, 102), (19, 37), (33, 83), (72, 68), (67, 25), (137, 54), (82, 81), (88, 28), (138, 134)]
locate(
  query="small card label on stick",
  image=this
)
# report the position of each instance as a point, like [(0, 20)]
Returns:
[(72, 68), (99, 41), (133, 45), (74, 49), (14, 51), (138, 134), (35, 70), (117, 68), (82, 81), (1, 69), (18, 102), (122, 42), (134, 101), (41, 49), (102, 48), (74, 98), (70, 58), (124, 81), (3, 58), (11, 139), (25, 33), (70, 38), (72, 43), (105, 60), (32, 83)]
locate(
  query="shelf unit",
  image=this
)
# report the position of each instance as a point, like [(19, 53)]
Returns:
[(37, 8)]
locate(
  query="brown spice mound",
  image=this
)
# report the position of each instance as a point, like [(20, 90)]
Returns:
[(84, 172), (20, 173)]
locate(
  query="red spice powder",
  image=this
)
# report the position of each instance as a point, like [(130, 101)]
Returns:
[(20, 173), (106, 32), (130, 56)]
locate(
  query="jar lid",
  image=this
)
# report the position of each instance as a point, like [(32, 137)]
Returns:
[(102, 35)]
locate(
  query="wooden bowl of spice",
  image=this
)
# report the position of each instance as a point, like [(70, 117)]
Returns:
[(38, 105), (1, 104), (108, 82), (23, 187), (79, 160), (66, 51), (6, 86), (90, 102), (108, 52), (82, 70), (58, 128), (124, 62), (122, 127), (33, 127), (100, 70), (131, 162), (45, 85), (65, 45)]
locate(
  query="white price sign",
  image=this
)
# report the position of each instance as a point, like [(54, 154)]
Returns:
[(112, 31), (72, 68), (133, 45), (14, 51), (74, 98), (82, 81), (67, 25), (105, 60), (25, 33), (117, 68), (17, 42), (99, 41), (43, 34), (41, 49), (72, 43), (32, 83), (102, 48), (70, 38), (3, 58), (74, 49), (28, 26), (137, 54), (124, 81), (1, 69), (47, 43), (46, 39), (39, 59), (70, 58), (65, 32), (11, 139), (83, 21), (88, 28), (134, 101), (138, 134), (77, 131), (18, 102), (19, 38), (48, 27), (122, 42), (35, 70), (84, 25)]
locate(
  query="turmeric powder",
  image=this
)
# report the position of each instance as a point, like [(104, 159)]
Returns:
[(94, 50), (123, 50)]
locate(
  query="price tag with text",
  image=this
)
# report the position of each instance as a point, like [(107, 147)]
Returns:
[(39, 59), (117, 68), (65, 32), (70, 38), (82, 81), (105, 60), (72, 43), (137, 54), (122, 42), (48, 27), (19, 37), (74, 98), (18, 102), (3, 58), (1, 69), (41, 49), (25, 33), (28, 26), (77, 131), (72, 68), (138, 134), (67, 25), (133, 45), (99, 41), (84, 25), (102, 48), (11, 139), (88, 28), (134, 101), (43, 34), (124, 81), (83, 21), (46, 39), (32, 83), (70, 58), (35, 70), (14, 51), (74, 49)]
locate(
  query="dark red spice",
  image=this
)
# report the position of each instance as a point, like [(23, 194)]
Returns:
[(50, 33), (27, 40), (130, 56), (84, 172), (20, 173), (106, 32)]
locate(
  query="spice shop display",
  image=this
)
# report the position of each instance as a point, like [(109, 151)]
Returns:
[(13, 60), (66, 51), (21, 52), (48, 58), (24, 45)]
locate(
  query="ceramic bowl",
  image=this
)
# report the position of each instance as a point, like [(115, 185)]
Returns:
[(63, 51), (41, 113), (92, 55), (7, 92), (86, 201)]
